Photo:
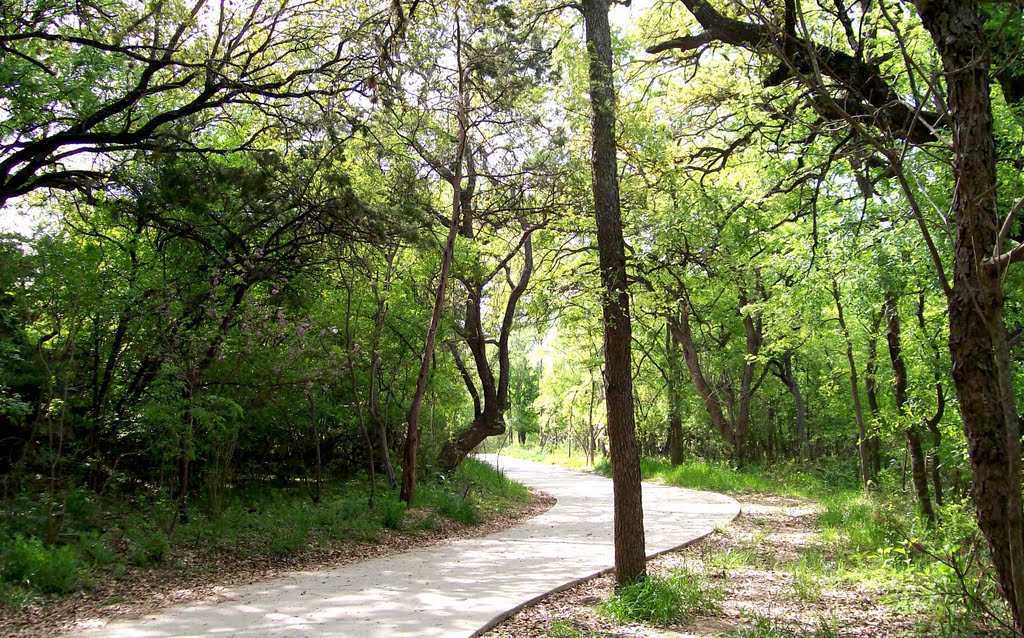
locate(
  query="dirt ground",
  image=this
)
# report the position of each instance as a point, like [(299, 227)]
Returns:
[(756, 560), (197, 576)]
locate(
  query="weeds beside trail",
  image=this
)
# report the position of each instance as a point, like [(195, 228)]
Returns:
[(116, 558), (810, 556)]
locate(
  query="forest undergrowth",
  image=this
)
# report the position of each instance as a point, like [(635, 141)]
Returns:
[(126, 556), (810, 555)]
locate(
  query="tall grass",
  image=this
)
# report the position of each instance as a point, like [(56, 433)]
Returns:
[(664, 600)]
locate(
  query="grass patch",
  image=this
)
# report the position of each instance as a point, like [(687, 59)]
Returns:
[(576, 461), (565, 629), (108, 538), (767, 627), (663, 600)]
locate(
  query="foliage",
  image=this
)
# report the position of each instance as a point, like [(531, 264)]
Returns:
[(48, 570), (244, 209)]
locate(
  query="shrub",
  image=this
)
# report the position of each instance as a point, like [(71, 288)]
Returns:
[(95, 550), (49, 570), (392, 512), (149, 546)]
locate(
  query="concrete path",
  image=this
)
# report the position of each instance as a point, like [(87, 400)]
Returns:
[(460, 588)]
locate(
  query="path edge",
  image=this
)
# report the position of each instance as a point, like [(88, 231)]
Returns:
[(502, 617)]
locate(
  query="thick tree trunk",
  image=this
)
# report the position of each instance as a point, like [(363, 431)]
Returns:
[(913, 436), (978, 341), (630, 558)]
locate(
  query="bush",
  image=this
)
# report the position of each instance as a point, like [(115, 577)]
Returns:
[(149, 546), (392, 512), (95, 550), (49, 570), (458, 509)]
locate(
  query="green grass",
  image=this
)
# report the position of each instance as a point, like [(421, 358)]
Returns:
[(551, 456), (110, 538), (862, 539), (767, 627), (565, 629), (33, 566), (664, 600)]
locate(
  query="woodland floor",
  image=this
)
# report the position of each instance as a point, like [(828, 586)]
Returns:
[(755, 560), (196, 575)]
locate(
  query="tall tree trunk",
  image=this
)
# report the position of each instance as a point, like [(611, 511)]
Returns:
[(675, 417), (867, 473), (913, 435), (932, 460), (978, 340), (871, 392), (630, 558), (412, 437)]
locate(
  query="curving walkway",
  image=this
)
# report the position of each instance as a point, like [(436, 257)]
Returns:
[(459, 588)]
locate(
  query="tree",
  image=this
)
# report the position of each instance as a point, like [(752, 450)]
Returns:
[(91, 83), (630, 558)]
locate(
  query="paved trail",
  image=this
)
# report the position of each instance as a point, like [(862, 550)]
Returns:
[(455, 589)]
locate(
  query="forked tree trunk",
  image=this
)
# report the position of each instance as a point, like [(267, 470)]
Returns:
[(784, 371), (630, 558)]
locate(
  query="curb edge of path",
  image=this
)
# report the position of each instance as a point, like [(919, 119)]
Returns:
[(502, 617)]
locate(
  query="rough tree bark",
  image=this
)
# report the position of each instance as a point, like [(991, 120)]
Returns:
[(978, 340), (630, 559)]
